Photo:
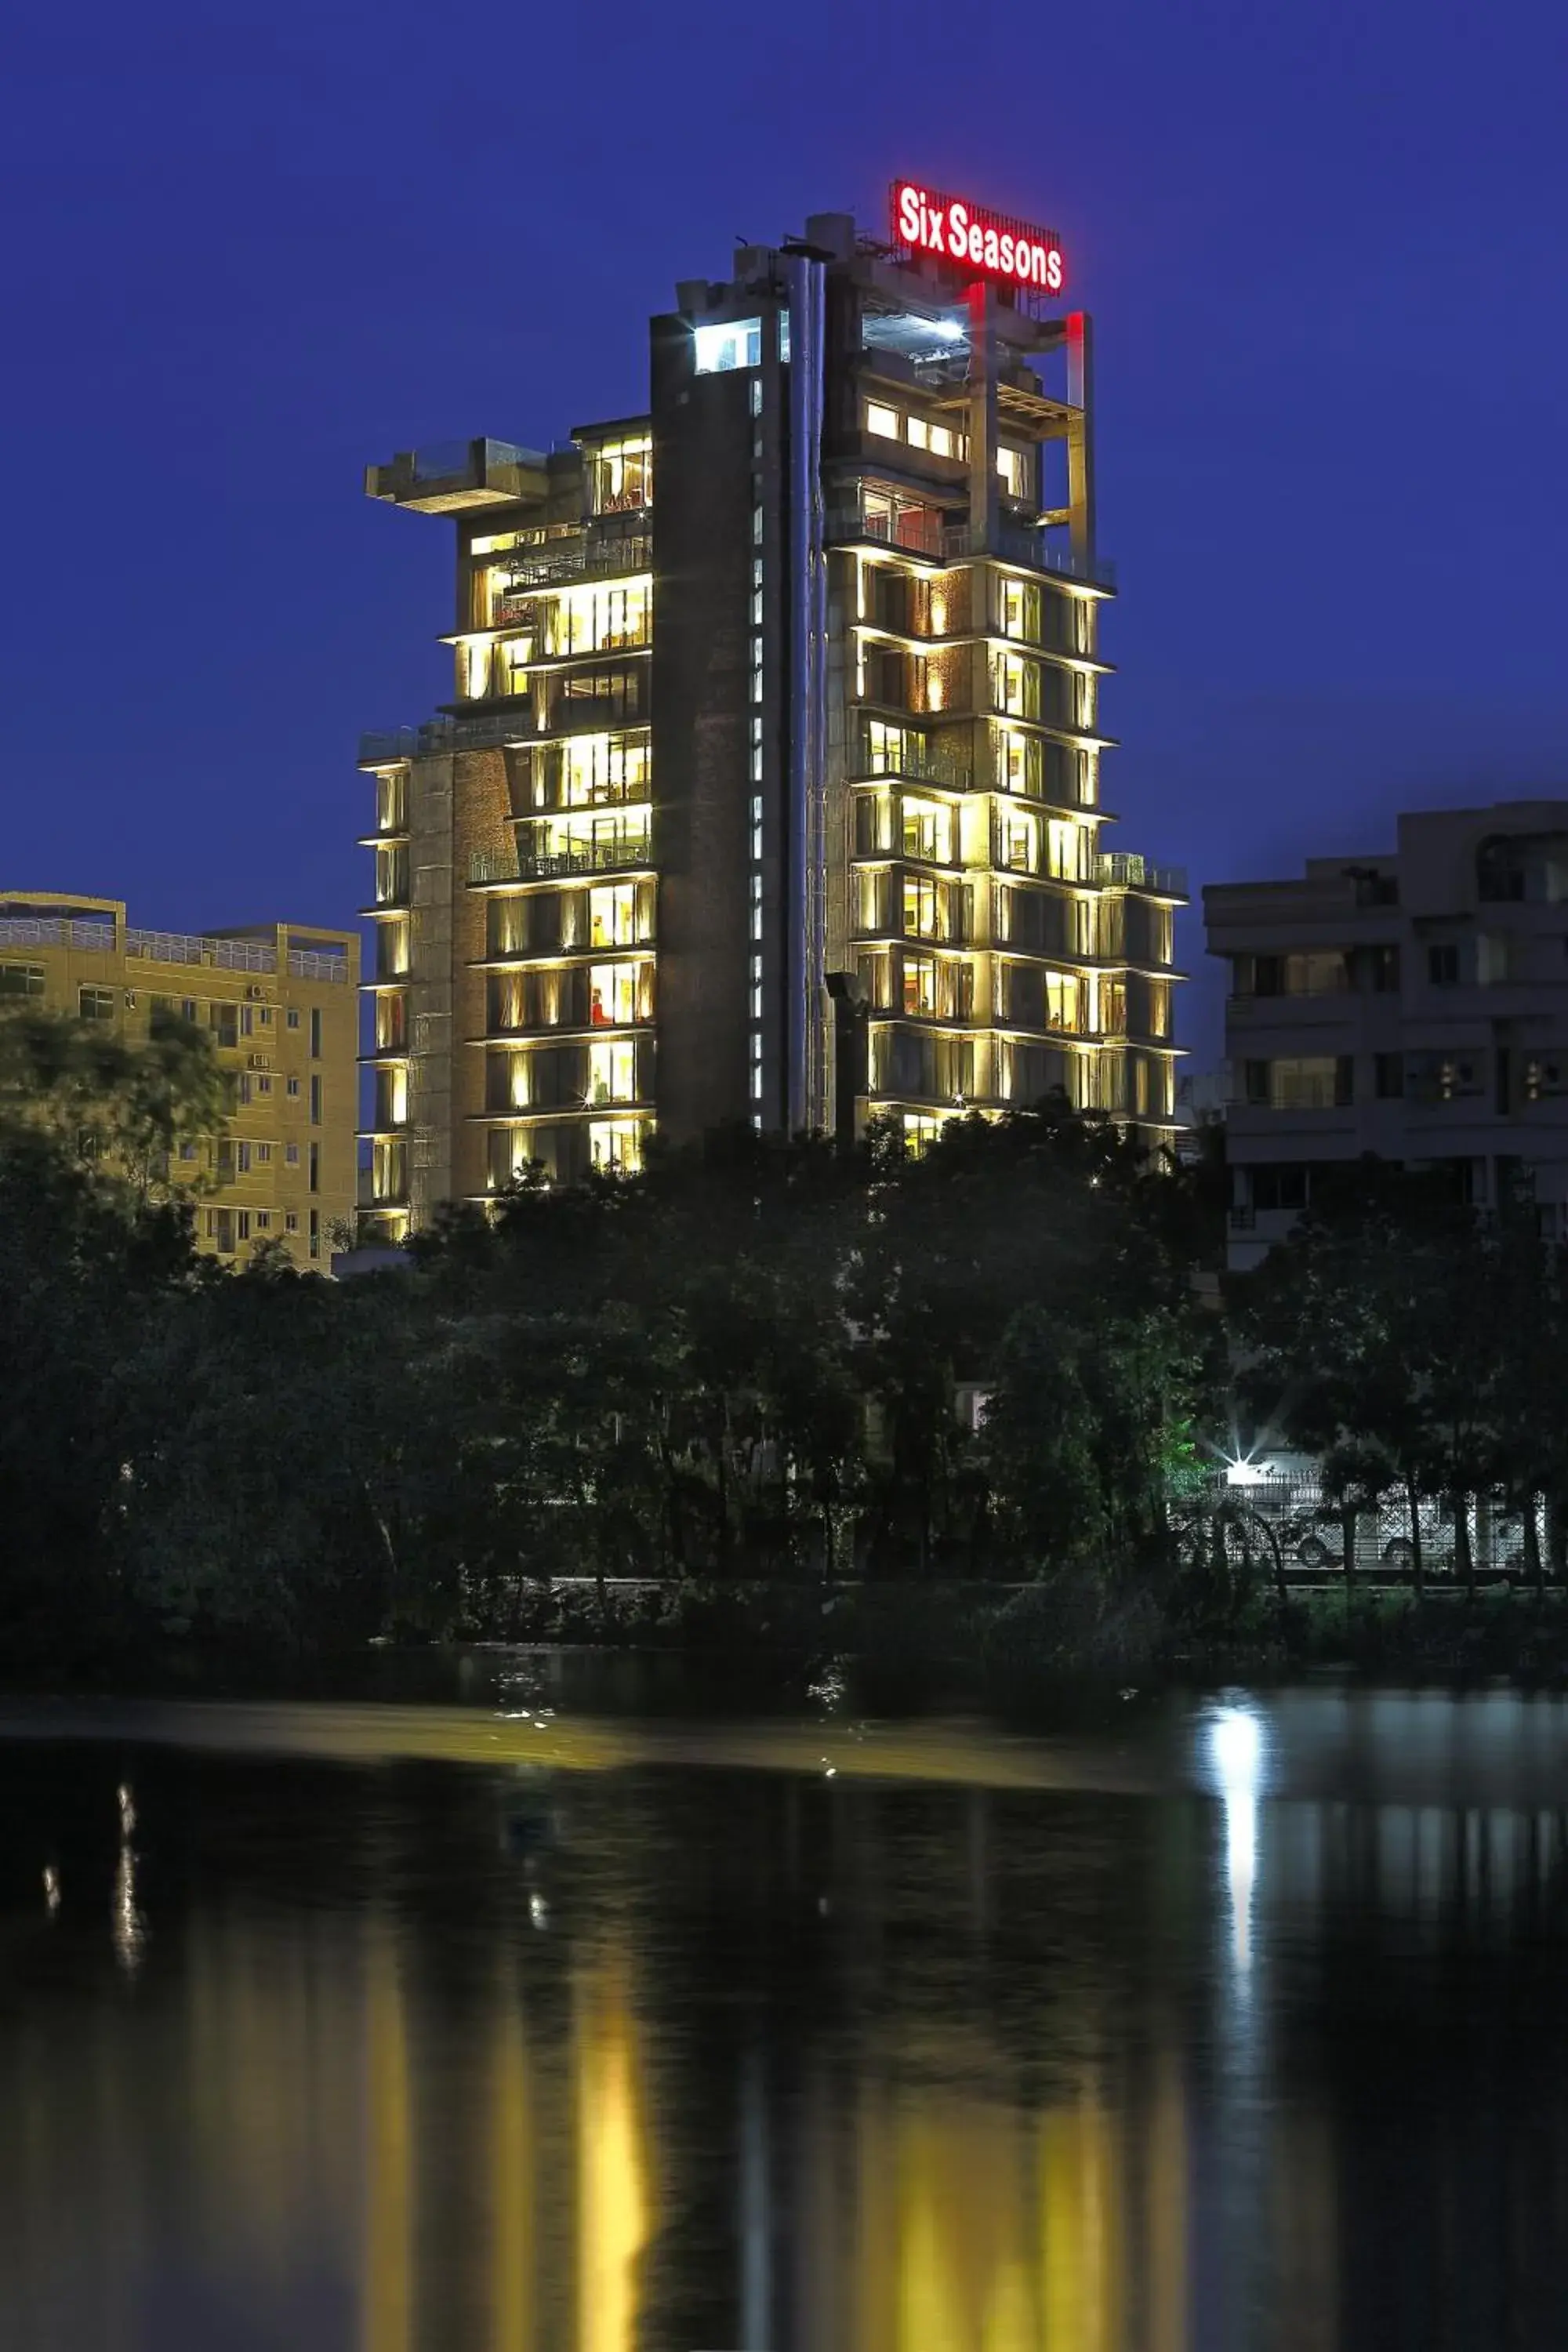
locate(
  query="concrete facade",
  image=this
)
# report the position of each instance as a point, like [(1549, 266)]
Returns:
[(1413, 1003)]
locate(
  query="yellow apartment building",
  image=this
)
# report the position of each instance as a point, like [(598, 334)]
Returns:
[(280, 1002)]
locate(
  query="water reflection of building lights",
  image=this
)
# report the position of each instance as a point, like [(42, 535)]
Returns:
[(1235, 1746), (51, 1891), (127, 1804), (129, 1928)]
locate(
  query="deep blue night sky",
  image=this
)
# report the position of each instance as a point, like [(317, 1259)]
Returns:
[(251, 247)]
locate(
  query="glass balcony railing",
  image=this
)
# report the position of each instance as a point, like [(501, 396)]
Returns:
[(483, 732), (630, 852), (586, 555), (916, 764), (1120, 869), (926, 532)]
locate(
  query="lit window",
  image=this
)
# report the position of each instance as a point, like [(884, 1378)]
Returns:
[(925, 907), (738, 343), (943, 442), (1013, 469), (620, 476), (618, 994), (616, 1143), (599, 620), (883, 420), (613, 915), (920, 984), (600, 769), (890, 748), (1063, 1002), (928, 831), (919, 433), (1016, 685), (1020, 611), (612, 1071), (1018, 841)]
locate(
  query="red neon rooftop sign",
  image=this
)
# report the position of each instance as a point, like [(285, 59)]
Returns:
[(986, 244)]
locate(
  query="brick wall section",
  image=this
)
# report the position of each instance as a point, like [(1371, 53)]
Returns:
[(480, 805)]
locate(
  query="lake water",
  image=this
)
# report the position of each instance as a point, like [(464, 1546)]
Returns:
[(517, 2026)]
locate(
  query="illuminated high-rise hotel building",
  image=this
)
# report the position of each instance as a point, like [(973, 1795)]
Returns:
[(771, 786)]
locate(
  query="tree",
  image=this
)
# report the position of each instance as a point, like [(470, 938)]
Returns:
[(142, 1115)]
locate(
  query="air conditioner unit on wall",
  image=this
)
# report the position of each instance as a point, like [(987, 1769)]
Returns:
[(256, 991)]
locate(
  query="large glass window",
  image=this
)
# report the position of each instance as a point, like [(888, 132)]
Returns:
[(940, 439), (925, 907), (613, 1071), (1064, 1000), (595, 694), (921, 985), (620, 476), (1016, 685), (736, 343), (21, 980), (1019, 840), (599, 769), (616, 1143), (620, 994), (1018, 761), (598, 841), (892, 750), (928, 830), (599, 620), (1018, 611), (613, 915), (1066, 849)]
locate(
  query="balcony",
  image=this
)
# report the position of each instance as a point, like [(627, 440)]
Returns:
[(914, 765), (925, 532), (451, 475), (586, 555), (486, 731), (632, 854), (1120, 869)]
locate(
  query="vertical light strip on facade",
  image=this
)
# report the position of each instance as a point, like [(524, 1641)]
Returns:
[(806, 698)]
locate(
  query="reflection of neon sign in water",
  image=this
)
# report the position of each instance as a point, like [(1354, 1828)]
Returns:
[(1235, 1754)]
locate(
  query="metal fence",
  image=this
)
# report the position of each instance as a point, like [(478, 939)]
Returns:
[(1309, 1526), (168, 946)]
